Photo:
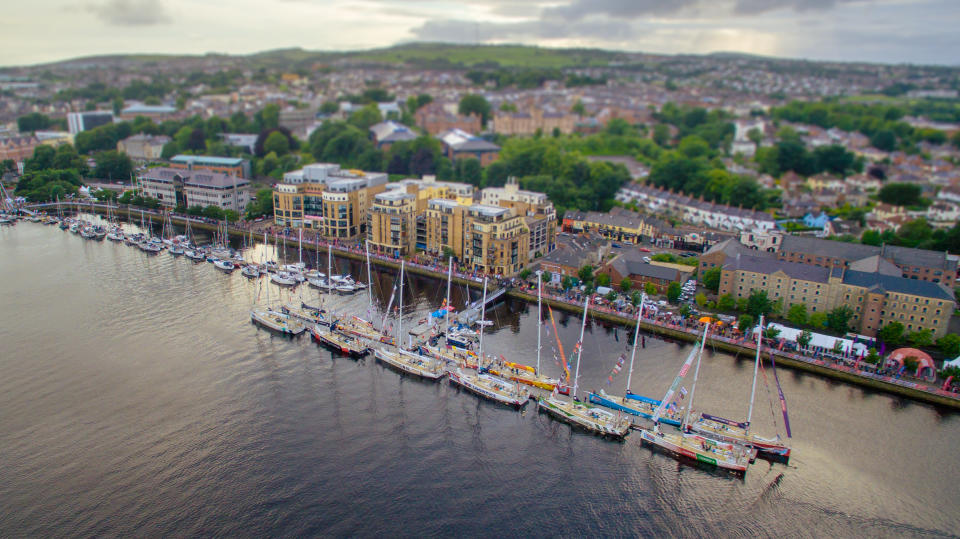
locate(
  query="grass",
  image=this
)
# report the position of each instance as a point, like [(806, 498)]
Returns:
[(485, 55)]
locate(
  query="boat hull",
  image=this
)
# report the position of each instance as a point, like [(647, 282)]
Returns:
[(393, 360), (615, 430), (641, 409), (671, 445), (475, 386)]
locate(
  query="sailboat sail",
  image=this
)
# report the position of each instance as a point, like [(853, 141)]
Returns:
[(668, 398)]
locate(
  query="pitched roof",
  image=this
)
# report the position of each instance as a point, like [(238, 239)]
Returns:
[(902, 285), (830, 248), (768, 266)]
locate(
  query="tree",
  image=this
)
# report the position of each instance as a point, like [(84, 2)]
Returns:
[(771, 332), (475, 104), (921, 339), (524, 274), (546, 276), (43, 156), (329, 107), (276, 142), (949, 345), (661, 134), (744, 323), (625, 285), (892, 333), (900, 194), (66, 157), (726, 303), (711, 279), (673, 292), (365, 117), (817, 320), (113, 165), (567, 282), (839, 318), (650, 289), (603, 279), (586, 274), (872, 356), (758, 303), (261, 205), (755, 136), (611, 295), (578, 108), (797, 314), (804, 338), (469, 171), (701, 299), (885, 140)]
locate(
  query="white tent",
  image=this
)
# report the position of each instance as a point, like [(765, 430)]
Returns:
[(952, 363), (819, 340)]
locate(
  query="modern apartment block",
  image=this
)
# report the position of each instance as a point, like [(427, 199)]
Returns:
[(230, 166), (392, 223), (78, 122)]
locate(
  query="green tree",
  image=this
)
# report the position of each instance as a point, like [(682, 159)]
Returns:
[(277, 143), (758, 303), (885, 140), (771, 332), (611, 296), (66, 157), (625, 285), (872, 356), (673, 292), (650, 289), (797, 314), (475, 104), (755, 135), (329, 107), (567, 282), (838, 319), (603, 279), (921, 339), (726, 303), (113, 165), (661, 135), (891, 334), (578, 108), (711, 279), (949, 345), (586, 274), (744, 323), (525, 274), (804, 338), (701, 299), (365, 117), (900, 194), (817, 320)]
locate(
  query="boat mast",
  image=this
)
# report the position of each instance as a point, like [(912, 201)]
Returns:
[(400, 314), (267, 287), (330, 270), (583, 327), (636, 337), (300, 246), (366, 245), (539, 317), (696, 373), (756, 366), (483, 314), (446, 317)]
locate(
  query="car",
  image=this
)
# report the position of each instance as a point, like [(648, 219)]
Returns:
[(615, 245), (645, 250), (646, 259)]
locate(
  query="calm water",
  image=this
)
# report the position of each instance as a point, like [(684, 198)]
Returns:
[(136, 398)]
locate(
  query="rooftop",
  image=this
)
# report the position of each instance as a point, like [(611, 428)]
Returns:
[(207, 160), (897, 284)]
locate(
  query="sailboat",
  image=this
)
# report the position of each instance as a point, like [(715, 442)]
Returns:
[(684, 444), (274, 320), (632, 403), (727, 430), (526, 374), (333, 338), (574, 412), (404, 360), (488, 385)]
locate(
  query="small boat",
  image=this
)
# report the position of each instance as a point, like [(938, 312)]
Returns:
[(151, 248), (250, 270), (344, 289), (342, 343), (277, 321), (224, 265), (305, 313), (318, 282), (195, 254), (176, 249), (87, 233), (115, 235), (271, 266), (283, 278)]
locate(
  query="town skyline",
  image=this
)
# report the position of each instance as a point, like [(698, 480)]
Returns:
[(876, 31)]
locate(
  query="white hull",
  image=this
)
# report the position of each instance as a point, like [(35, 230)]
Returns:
[(592, 419), (491, 387), (410, 363)]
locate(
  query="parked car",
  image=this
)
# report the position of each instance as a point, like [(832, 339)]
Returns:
[(646, 259), (645, 250)]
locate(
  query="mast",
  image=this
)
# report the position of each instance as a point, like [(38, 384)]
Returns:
[(446, 317), (539, 317), (330, 270), (268, 282), (483, 314), (300, 246), (696, 373), (636, 337), (400, 314), (366, 246), (756, 367), (583, 327)]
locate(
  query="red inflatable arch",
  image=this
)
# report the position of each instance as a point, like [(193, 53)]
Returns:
[(925, 366)]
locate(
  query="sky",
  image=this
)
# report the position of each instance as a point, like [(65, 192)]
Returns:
[(887, 31)]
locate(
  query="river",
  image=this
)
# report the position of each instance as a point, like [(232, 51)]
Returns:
[(138, 399)]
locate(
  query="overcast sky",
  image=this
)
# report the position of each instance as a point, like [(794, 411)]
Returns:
[(894, 31)]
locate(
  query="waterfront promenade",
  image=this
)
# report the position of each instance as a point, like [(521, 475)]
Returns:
[(840, 370)]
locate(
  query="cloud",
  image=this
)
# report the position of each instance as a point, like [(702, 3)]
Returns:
[(579, 9), (131, 12), (461, 31), (755, 7)]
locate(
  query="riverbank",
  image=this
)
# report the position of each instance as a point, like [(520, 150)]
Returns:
[(842, 373)]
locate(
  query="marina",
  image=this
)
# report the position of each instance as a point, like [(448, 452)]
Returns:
[(331, 393)]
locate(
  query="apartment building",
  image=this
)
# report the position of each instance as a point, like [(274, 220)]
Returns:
[(528, 123), (918, 264), (877, 296), (495, 240), (186, 188), (536, 208), (326, 198), (143, 147), (459, 144), (436, 118), (78, 122), (392, 223)]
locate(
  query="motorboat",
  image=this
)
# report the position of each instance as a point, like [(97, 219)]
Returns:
[(283, 278), (250, 270), (224, 265)]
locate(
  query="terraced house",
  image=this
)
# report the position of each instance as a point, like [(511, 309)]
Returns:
[(619, 224), (875, 290)]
